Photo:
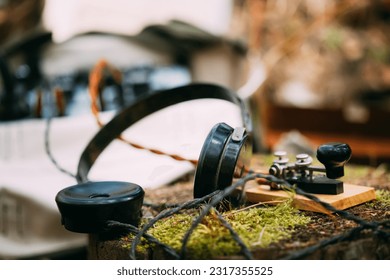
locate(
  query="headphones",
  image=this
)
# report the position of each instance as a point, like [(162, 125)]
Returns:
[(225, 155)]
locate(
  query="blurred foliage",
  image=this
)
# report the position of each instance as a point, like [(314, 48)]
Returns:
[(345, 43)]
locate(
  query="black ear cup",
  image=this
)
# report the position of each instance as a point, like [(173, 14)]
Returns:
[(206, 180), (85, 208), (225, 154), (235, 159)]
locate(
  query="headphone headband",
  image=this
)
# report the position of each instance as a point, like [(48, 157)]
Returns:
[(146, 106)]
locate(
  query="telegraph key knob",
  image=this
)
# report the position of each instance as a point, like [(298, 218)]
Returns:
[(334, 156)]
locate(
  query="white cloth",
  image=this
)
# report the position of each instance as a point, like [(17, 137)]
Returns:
[(68, 18)]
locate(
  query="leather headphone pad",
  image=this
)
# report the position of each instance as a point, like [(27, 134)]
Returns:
[(235, 153), (205, 176)]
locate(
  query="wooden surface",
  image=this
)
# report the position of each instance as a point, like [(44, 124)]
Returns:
[(353, 195)]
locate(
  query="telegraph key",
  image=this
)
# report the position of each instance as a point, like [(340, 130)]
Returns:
[(332, 155), (309, 179)]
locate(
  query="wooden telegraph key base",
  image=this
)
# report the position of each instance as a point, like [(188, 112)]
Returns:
[(353, 195)]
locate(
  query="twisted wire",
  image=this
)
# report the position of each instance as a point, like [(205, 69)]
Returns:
[(96, 79), (47, 143), (300, 254), (164, 214), (148, 237), (50, 154), (244, 249), (334, 210), (216, 199)]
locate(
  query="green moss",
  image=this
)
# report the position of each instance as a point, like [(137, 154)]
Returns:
[(382, 199), (258, 227)]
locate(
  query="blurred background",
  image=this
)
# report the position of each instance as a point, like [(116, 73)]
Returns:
[(324, 64), (310, 71), (327, 65)]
